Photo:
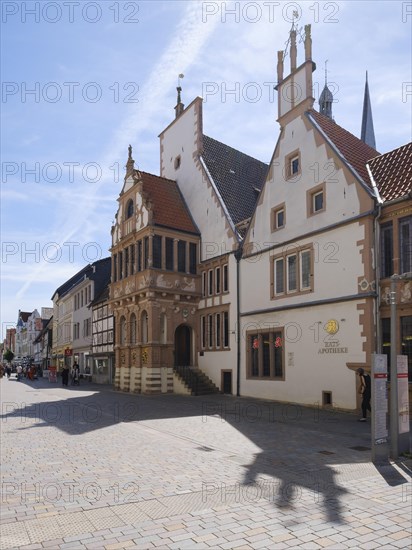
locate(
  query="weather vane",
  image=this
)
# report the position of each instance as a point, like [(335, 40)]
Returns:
[(326, 72)]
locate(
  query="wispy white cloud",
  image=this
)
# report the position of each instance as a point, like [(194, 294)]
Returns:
[(189, 38)]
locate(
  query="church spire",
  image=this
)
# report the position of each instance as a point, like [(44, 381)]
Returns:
[(367, 131), (326, 97)]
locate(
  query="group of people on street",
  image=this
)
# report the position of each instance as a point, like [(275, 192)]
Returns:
[(75, 375)]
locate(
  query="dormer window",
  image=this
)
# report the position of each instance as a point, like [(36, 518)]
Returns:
[(129, 209)]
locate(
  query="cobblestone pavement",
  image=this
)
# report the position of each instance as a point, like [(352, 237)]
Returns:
[(87, 467)]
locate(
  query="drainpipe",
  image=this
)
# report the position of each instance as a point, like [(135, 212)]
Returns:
[(376, 227), (377, 279), (238, 256)]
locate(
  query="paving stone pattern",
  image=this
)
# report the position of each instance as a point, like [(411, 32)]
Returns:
[(88, 467)]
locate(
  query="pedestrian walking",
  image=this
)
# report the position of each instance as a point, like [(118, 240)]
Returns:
[(76, 375), (365, 391), (19, 371), (65, 376)]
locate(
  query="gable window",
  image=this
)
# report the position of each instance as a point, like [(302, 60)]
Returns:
[(292, 273), (291, 276), (292, 165), (386, 250), (305, 269), (129, 209), (405, 244), (316, 200), (279, 276), (178, 162), (278, 217)]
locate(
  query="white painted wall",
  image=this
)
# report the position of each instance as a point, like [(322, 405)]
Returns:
[(342, 199), (181, 139), (336, 268), (310, 372)]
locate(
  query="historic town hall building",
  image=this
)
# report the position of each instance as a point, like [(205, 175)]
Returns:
[(266, 279)]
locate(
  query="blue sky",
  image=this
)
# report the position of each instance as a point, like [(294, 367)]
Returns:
[(104, 74)]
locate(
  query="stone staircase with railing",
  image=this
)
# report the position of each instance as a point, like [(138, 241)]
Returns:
[(195, 380)]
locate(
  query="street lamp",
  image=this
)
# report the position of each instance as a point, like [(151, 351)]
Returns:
[(394, 418)]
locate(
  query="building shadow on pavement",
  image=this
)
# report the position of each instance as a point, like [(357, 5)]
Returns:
[(303, 452)]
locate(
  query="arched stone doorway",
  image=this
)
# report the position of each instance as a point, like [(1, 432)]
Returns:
[(183, 346)]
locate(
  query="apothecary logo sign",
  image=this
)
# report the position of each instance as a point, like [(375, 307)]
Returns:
[(332, 345)]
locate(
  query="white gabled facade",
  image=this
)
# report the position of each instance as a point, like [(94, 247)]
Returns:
[(307, 274), (181, 147)]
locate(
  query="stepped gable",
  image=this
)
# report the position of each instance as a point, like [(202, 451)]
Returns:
[(392, 172), (354, 151), (239, 178), (24, 315), (169, 207)]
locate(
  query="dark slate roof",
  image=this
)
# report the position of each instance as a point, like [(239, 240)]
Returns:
[(169, 207), (24, 315), (354, 151), (98, 272), (392, 172), (103, 296), (238, 177), (70, 283)]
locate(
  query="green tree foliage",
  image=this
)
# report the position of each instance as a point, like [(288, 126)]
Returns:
[(8, 356)]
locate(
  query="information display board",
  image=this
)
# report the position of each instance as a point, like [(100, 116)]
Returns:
[(403, 393), (52, 374), (380, 398)]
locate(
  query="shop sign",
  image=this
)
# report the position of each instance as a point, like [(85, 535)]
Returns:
[(332, 345)]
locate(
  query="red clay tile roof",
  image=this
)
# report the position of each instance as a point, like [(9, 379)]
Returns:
[(169, 207), (355, 151), (392, 172)]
